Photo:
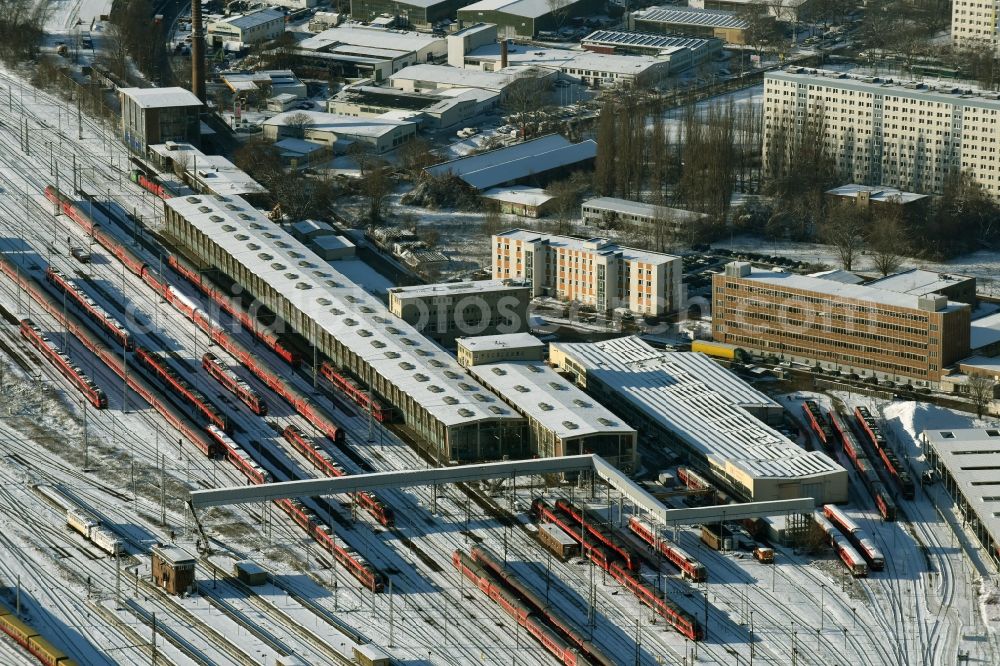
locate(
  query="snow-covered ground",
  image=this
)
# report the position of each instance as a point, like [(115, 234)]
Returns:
[(62, 16)]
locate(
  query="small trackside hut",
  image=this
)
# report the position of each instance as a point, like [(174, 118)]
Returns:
[(173, 569)]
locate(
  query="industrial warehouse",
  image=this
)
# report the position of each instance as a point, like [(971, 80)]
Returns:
[(436, 399), (705, 413)]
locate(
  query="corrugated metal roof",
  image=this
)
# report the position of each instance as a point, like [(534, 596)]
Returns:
[(702, 403), (343, 309)]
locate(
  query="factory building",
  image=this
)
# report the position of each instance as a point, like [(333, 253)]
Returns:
[(254, 27), (717, 422), (494, 348), (437, 400), (595, 272), (158, 115), (966, 461), (363, 52), (859, 329), (207, 174), (422, 14), (337, 132), (526, 18), (693, 49), (444, 312), (690, 22)]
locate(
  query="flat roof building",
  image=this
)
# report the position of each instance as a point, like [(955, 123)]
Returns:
[(858, 329), (595, 272), (918, 282), (611, 212), (415, 13), (431, 78), (532, 162), (504, 347), (430, 109), (207, 174), (436, 399), (595, 69), (444, 312), (363, 52), (562, 419), (262, 25), (698, 409), (336, 131), (526, 18), (521, 200), (644, 43), (883, 131), (690, 22), (272, 82), (156, 115), (966, 460), (787, 11)]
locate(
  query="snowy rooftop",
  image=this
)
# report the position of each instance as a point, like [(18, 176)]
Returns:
[(596, 245), (473, 78), (161, 98), (985, 331), (691, 16), (857, 292), (637, 208), (988, 364), (526, 54), (519, 194), (213, 172), (543, 395), (880, 194), (525, 8), (521, 160), (358, 320), (838, 275), (355, 35), (918, 282), (292, 147), (699, 401), (455, 288), (669, 43), (333, 122), (971, 457), (253, 19), (503, 341), (946, 93)]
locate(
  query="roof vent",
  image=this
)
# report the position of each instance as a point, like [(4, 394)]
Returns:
[(216, 218), (303, 285), (451, 374), (500, 372), (535, 368), (264, 256), (482, 398), (406, 365), (204, 209), (434, 388), (228, 227), (605, 422), (556, 386), (336, 311), (278, 266), (392, 354), (436, 363), (570, 425), (365, 333), (242, 237), (466, 412), (420, 377), (497, 410), (545, 407), (378, 344), (324, 301), (450, 400), (351, 322), (253, 247), (466, 387), (521, 389), (582, 403)]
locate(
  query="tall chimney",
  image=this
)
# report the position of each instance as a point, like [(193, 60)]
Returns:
[(503, 53), (197, 52)]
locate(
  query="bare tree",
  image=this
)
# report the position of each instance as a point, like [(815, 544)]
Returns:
[(981, 391), (559, 11), (526, 96), (297, 124), (844, 230), (376, 187), (888, 240)]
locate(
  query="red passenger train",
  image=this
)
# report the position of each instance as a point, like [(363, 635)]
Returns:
[(857, 535), (235, 310), (611, 562), (605, 537), (690, 567), (358, 395), (886, 455), (845, 551), (302, 403), (538, 605), (181, 388), (91, 391), (856, 451), (247, 466), (819, 425), (322, 461), (518, 610), (213, 366), (112, 359), (93, 310), (150, 184)]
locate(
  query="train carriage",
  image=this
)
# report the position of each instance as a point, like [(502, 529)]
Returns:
[(242, 390), (690, 568), (95, 312), (90, 390)]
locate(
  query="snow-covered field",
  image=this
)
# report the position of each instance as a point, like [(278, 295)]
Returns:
[(63, 15)]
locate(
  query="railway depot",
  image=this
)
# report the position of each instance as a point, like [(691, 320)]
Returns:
[(705, 413), (354, 329)]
